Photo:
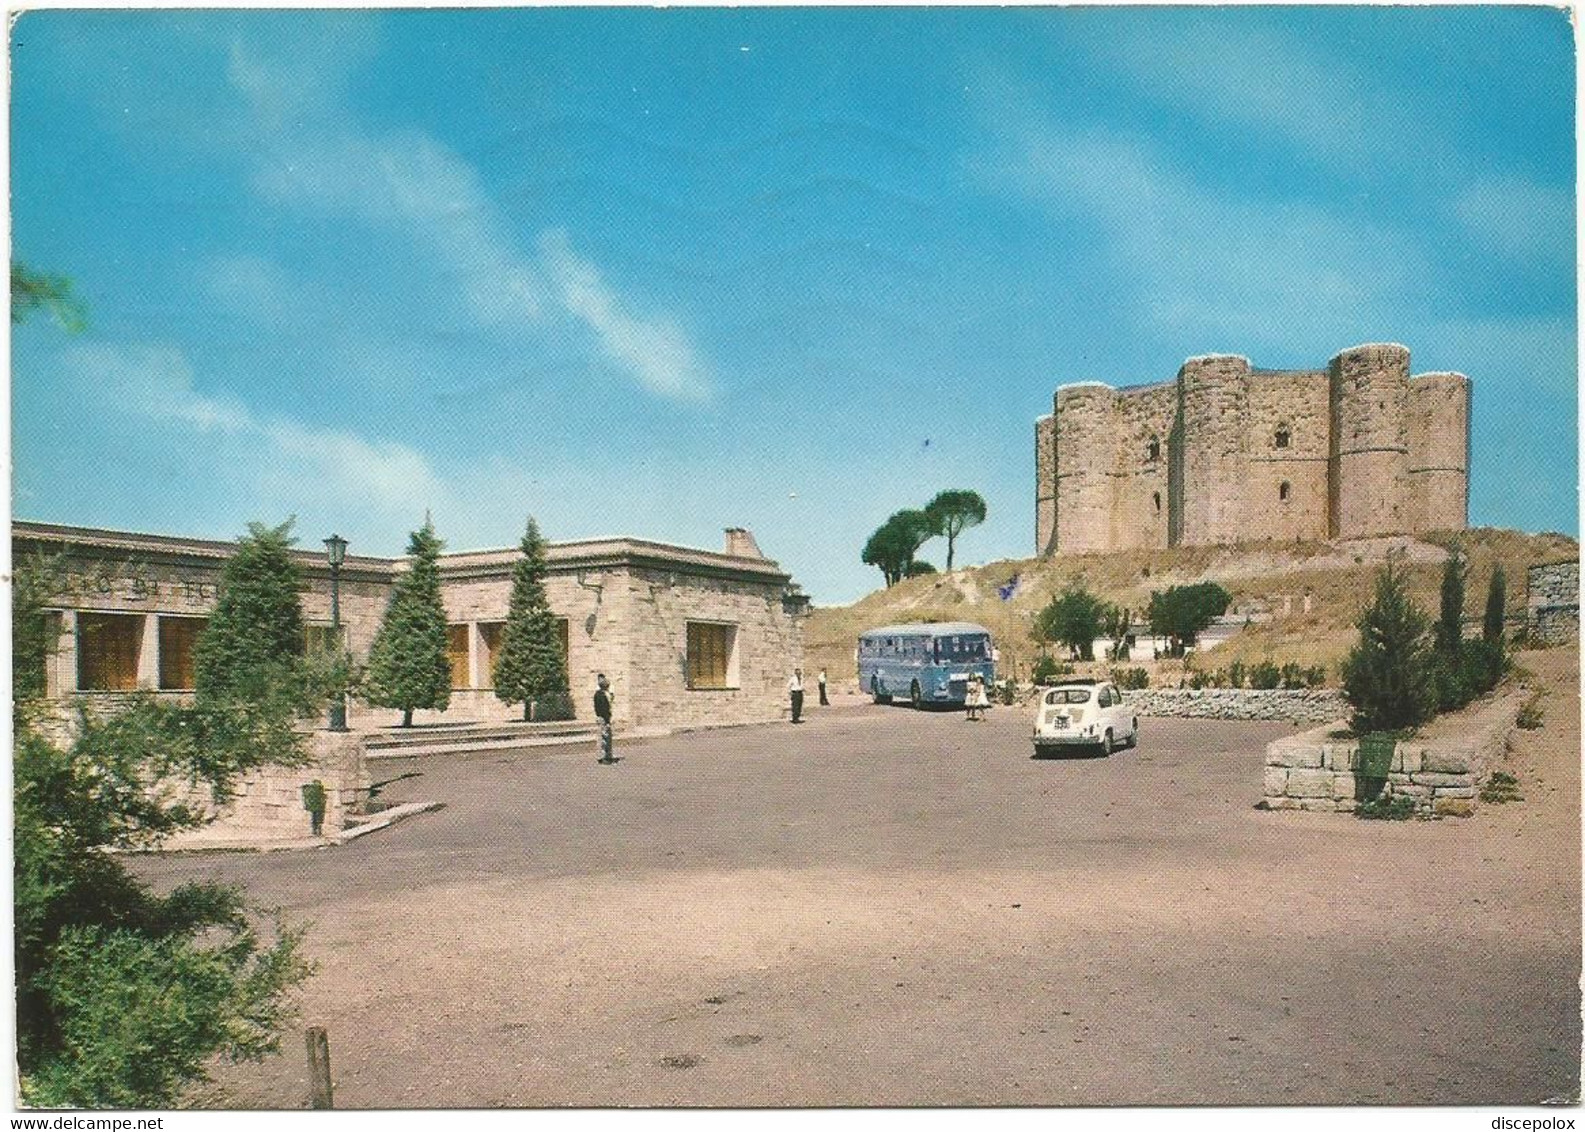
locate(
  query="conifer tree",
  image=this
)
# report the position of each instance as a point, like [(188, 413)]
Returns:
[(1496, 607), (1450, 625), (255, 635), (408, 666), (531, 669), (1388, 677)]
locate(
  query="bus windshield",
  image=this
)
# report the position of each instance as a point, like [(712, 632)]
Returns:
[(962, 649)]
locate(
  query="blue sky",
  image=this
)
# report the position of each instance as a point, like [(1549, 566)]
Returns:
[(663, 272)]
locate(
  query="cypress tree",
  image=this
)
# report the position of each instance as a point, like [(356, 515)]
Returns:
[(531, 669), (255, 634), (408, 667), (1496, 607), (1450, 625), (1387, 678)]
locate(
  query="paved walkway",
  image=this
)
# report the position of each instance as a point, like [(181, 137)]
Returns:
[(900, 908)]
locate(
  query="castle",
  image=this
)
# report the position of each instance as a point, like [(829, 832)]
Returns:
[(1226, 454)]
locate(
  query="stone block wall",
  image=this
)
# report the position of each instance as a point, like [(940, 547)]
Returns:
[(1314, 771), (1552, 603), (1297, 705), (268, 806)]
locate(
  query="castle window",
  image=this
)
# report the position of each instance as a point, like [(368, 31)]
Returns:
[(1153, 451), (1282, 492), (1282, 436), (1155, 497)]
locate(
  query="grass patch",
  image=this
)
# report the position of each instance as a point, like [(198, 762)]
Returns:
[(1397, 807), (1531, 715), (1501, 787)]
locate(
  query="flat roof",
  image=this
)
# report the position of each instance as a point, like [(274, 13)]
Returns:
[(944, 627), (559, 556)]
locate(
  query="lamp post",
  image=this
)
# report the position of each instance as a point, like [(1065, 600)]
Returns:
[(336, 551)]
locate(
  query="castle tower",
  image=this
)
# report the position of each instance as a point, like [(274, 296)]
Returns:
[(1213, 407), (1045, 484), (1369, 465), (1439, 452), (1084, 459)]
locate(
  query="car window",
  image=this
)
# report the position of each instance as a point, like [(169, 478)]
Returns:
[(1068, 696), (1105, 698)]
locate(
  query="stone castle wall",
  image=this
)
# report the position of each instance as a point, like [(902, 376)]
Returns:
[(1226, 453)]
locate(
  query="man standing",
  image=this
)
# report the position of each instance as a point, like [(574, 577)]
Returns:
[(823, 701), (795, 688), (602, 712)]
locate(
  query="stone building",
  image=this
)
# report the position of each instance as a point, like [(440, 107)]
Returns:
[(1225, 453), (687, 636)]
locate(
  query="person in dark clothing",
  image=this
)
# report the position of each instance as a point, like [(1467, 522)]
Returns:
[(602, 712), (795, 689)]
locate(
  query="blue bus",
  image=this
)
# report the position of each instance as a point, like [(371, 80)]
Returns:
[(929, 662)]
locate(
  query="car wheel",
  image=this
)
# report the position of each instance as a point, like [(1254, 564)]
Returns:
[(1106, 743), (914, 697)]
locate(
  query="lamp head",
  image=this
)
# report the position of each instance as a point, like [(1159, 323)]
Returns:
[(336, 548)]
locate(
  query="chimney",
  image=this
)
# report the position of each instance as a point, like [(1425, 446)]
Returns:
[(740, 543)]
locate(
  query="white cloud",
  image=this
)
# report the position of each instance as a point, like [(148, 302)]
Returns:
[(1207, 266), (1519, 218), (309, 157), (1254, 78), (656, 350), (282, 459)]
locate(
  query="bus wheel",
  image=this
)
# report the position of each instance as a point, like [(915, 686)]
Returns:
[(914, 697)]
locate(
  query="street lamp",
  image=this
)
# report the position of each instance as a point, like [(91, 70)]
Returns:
[(336, 551)]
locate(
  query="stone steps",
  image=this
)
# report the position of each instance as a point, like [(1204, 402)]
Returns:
[(475, 739)]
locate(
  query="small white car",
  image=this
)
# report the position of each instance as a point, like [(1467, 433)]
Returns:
[(1084, 713)]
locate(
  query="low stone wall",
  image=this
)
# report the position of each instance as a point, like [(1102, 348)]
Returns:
[(1552, 605), (1301, 705), (268, 806), (1311, 771)]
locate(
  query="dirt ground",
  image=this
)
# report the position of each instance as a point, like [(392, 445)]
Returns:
[(885, 907)]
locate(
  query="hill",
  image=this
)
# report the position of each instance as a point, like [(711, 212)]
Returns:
[(1268, 581)]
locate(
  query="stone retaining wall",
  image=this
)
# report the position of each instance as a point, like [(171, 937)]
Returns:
[(1552, 605), (268, 806), (1301, 705), (1311, 771)]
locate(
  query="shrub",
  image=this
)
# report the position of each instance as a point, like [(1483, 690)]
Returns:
[(1316, 676), (1292, 675), (1532, 714), (1501, 787), (1388, 807), (1048, 668), (1265, 676), (1130, 679), (1237, 673), (1387, 675), (1199, 678)]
